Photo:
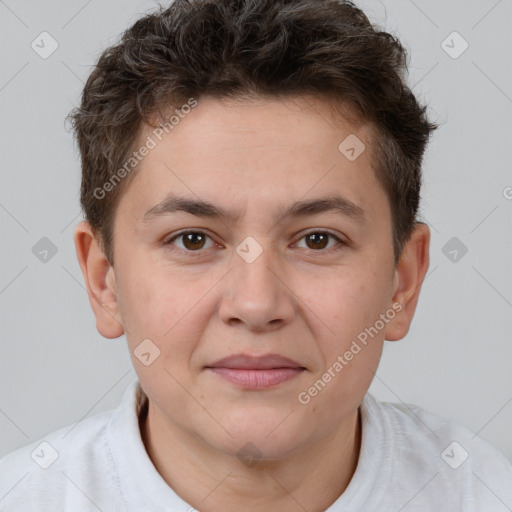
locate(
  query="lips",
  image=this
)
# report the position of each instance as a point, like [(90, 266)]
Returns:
[(243, 362), (256, 373)]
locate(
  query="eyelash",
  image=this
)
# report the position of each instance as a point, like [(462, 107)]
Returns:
[(168, 243)]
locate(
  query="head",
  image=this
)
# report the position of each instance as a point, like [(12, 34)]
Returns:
[(251, 183)]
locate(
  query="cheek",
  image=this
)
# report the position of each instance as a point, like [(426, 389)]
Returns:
[(346, 304), (166, 309), (347, 339), (152, 297), (140, 303), (338, 388)]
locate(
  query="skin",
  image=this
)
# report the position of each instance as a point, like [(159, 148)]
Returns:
[(297, 300)]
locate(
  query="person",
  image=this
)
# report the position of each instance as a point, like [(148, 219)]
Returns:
[(251, 176)]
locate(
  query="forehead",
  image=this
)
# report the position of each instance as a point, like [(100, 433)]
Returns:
[(258, 152), (303, 121)]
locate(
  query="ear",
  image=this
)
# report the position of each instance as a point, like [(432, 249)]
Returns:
[(409, 275), (100, 281)]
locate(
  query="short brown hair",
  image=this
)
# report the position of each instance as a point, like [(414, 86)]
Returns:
[(238, 48)]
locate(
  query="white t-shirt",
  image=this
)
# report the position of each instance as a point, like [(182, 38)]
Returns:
[(410, 460)]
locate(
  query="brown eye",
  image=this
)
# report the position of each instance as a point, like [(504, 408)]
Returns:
[(191, 241), (319, 240)]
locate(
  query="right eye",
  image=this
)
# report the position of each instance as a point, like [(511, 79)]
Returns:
[(192, 241)]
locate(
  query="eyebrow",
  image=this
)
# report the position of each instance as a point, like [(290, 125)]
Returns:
[(200, 208)]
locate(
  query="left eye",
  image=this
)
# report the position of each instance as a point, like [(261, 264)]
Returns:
[(319, 239), (194, 241)]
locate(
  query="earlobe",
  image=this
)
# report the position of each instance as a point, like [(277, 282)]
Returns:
[(409, 276), (100, 281)]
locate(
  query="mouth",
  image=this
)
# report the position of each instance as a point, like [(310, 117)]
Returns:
[(256, 372)]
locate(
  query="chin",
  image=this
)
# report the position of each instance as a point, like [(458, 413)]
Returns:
[(257, 449), (269, 434)]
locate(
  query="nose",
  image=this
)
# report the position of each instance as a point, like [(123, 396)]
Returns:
[(257, 294)]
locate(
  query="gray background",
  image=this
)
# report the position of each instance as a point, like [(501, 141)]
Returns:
[(56, 369)]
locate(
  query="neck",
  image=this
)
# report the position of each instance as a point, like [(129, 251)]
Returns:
[(310, 479)]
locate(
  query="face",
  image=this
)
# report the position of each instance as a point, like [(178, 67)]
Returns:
[(253, 298)]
